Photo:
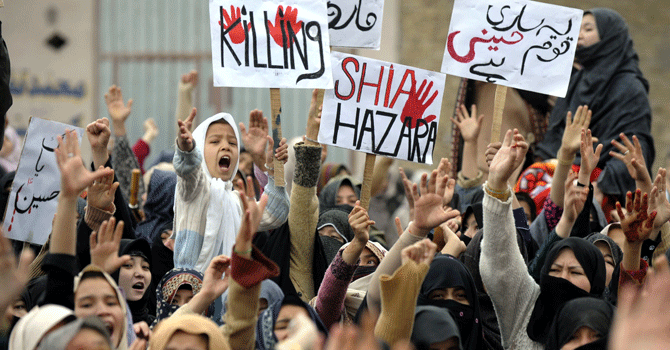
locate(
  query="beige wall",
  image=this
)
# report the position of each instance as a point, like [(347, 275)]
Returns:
[(425, 24)]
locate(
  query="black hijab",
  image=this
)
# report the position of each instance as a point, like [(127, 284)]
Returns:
[(432, 325), (447, 272), (556, 291), (612, 288), (340, 221), (139, 308), (328, 196), (613, 86), (594, 313), (159, 207)]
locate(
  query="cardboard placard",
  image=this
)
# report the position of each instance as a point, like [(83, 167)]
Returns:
[(32, 203), (382, 108), (355, 23), (521, 44), (271, 44)]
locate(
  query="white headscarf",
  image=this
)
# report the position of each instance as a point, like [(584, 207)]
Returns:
[(224, 214), (32, 327)]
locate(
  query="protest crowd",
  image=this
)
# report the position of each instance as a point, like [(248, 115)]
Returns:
[(556, 241)]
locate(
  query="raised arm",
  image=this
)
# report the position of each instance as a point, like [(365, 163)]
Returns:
[(502, 267), (469, 125), (185, 94), (637, 225)]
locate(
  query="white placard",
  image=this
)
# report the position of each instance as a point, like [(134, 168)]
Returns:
[(32, 203), (521, 44), (382, 108), (355, 23), (275, 44)]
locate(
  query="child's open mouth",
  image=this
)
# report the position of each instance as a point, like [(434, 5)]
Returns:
[(224, 163), (139, 286)]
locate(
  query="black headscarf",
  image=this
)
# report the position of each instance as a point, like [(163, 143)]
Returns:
[(265, 335), (594, 313), (328, 196), (139, 308), (613, 86), (159, 207), (5, 74), (447, 272), (432, 325), (611, 290), (555, 291), (340, 221)]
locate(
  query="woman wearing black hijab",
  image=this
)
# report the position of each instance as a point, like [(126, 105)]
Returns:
[(582, 323), (607, 79), (449, 285)]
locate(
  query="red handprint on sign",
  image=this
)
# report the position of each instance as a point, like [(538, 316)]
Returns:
[(289, 18), (236, 33), (416, 104)]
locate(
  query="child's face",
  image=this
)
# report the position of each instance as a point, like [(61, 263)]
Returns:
[(221, 151)]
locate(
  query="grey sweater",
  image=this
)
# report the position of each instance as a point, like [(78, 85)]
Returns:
[(505, 275)]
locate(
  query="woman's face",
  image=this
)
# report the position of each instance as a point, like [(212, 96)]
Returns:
[(588, 34), (182, 297), (584, 335), (368, 258), (134, 278), (187, 341), (286, 314), (567, 266), (609, 260), (452, 293), (88, 339), (471, 224), (96, 297)]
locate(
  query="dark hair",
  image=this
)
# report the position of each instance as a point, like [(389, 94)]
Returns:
[(92, 274), (525, 197)]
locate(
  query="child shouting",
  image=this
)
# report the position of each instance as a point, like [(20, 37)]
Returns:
[(208, 212)]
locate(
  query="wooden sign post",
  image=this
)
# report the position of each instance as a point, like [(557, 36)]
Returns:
[(498, 107), (275, 103), (367, 180)]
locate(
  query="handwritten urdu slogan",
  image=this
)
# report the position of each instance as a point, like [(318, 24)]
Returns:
[(382, 108), (32, 203), (520, 44), (355, 23), (276, 44)]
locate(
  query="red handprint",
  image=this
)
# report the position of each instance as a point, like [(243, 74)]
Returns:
[(236, 34), (289, 18), (415, 106)]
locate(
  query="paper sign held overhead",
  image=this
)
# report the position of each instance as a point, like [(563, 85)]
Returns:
[(32, 202), (355, 23), (382, 108), (521, 44), (275, 44)]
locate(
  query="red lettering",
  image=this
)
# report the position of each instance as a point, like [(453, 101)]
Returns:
[(402, 84), (363, 83), (351, 79), (388, 87)]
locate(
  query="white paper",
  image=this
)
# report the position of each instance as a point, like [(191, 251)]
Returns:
[(270, 52), (382, 108), (521, 44), (32, 202), (355, 23)]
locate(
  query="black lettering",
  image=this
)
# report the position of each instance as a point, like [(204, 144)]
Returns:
[(406, 125), (369, 115), (416, 147), (224, 39), (253, 34), (339, 124), (432, 138), (393, 116), (295, 45), (269, 51), (322, 60)]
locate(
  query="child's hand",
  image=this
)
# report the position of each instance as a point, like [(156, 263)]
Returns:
[(469, 126), (101, 193), (74, 177), (185, 138), (118, 111)]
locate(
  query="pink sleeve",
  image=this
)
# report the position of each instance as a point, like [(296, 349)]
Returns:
[(333, 290)]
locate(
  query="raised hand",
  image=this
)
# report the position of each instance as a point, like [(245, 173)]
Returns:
[(255, 138), (658, 201), (281, 154), (468, 125), (118, 110), (443, 170), (416, 104), (631, 155), (74, 177), (575, 198), (590, 157), (289, 18), (510, 156), (234, 25), (104, 245), (408, 192), (150, 130), (453, 245), (98, 134), (636, 223), (360, 222), (101, 193), (213, 283), (314, 117), (185, 138), (422, 251), (573, 127), (429, 204), (491, 150), (13, 276), (253, 211)]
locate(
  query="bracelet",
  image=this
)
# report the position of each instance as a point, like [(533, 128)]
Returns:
[(310, 140), (244, 252), (566, 162), (501, 195)]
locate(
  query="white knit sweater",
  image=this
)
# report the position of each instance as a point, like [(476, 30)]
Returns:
[(505, 275)]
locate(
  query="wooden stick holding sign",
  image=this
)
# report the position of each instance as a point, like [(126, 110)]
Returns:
[(498, 107), (367, 180), (275, 102)]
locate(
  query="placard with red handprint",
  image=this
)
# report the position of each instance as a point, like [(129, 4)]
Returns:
[(382, 108), (522, 44), (272, 44)]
